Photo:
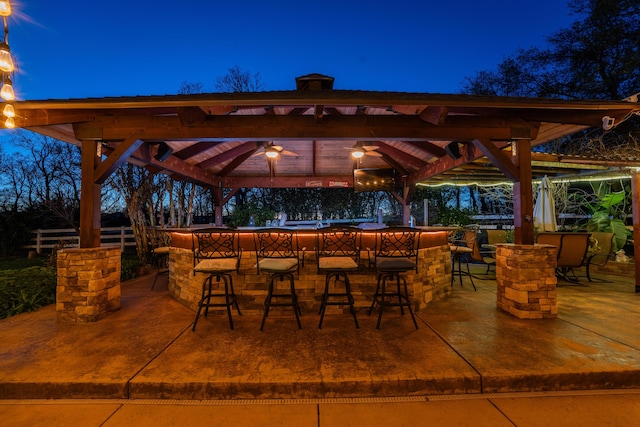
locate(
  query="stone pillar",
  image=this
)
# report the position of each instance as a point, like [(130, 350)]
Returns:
[(527, 281), (88, 284)]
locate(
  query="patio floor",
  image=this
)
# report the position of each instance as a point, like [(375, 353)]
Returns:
[(464, 346)]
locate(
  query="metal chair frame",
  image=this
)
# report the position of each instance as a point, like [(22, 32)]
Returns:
[(273, 244), (396, 252), (216, 245), (343, 244)]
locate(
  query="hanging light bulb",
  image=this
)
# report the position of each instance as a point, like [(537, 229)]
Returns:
[(5, 8), (7, 92), (9, 111), (6, 61), (10, 123)]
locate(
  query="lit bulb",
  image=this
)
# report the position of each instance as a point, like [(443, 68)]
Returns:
[(272, 154), (7, 92), (9, 111), (9, 123), (6, 61), (357, 153), (5, 8)]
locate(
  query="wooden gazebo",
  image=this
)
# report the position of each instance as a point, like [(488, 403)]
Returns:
[(221, 140)]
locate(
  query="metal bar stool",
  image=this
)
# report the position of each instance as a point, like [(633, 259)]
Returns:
[(217, 254), (337, 253), (277, 254), (396, 253), (462, 248)]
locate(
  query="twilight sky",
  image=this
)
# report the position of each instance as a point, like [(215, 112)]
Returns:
[(81, 48)]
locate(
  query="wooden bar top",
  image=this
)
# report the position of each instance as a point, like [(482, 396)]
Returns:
[(182, 238)]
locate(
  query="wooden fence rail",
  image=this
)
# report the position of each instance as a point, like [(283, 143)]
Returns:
[(47, 239)]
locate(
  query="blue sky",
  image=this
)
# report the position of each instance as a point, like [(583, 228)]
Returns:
[(81, 48)]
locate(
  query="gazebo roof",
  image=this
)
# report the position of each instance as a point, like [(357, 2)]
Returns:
[(219, 139)]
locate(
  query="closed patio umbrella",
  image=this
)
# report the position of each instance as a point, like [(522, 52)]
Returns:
[(544, 211)]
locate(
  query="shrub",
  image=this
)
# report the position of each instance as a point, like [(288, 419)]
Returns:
[(26, 290)]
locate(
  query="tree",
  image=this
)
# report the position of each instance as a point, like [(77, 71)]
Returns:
[(598, 57), (239, 80)]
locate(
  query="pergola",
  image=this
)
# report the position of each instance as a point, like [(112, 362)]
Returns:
[(220, 140)]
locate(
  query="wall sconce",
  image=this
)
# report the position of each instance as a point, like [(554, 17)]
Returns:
[(453, 150), (164, 151)]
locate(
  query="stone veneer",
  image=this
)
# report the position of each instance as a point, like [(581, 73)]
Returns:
[(433, 281), (88, 285), (527, 281)]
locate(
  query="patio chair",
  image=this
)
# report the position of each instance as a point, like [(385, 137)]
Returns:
[(599, 257), (216, 253), (337, 254), (396, 252), (277, 254)]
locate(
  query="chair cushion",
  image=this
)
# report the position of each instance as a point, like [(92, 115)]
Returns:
[(278, 264), (460, 249), (337, 263), (395, 264), (161, 250), (216, 265)]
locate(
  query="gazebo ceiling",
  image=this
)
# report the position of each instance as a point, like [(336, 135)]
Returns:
[(219, 139)]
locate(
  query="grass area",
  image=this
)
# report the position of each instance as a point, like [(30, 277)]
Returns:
[(27, 284)]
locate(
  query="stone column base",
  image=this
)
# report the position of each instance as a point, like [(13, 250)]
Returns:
[(88, 284), (526, 277)]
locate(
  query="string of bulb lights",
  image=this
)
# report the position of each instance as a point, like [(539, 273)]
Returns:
[(7, 68)]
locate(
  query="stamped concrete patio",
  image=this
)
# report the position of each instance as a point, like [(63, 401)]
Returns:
[(464, 346)]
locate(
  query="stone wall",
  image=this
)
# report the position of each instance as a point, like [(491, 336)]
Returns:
[(432, 281), (526, 280), (88, 285)]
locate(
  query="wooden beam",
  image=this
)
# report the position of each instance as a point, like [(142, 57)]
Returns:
[(435, 115), (304, 127), (469, 153), (195, 149), (399, 155), (233, 164), (429, 147), (90, 197), (499, 159), (118, 157), (251, 146)]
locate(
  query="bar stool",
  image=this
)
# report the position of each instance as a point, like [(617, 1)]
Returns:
[(160, 242), (337, 253), (277, 254), (396, 253), (217, 254), (462, 248)]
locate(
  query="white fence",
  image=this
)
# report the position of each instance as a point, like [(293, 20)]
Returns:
[(51, 238)]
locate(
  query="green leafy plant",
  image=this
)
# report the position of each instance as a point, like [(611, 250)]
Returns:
[(608, 215)]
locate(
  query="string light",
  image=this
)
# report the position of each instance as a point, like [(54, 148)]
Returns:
[(7, 67)]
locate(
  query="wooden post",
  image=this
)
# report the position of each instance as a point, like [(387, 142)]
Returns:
[(523, 193), (635, 205), (90, 200), (218, 202)]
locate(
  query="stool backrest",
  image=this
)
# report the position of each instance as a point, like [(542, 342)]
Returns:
[(213, 243), (338, 241), (275, 243), (400, 242)]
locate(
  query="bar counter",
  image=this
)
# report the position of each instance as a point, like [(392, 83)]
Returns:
[(431, 282)]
